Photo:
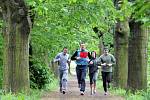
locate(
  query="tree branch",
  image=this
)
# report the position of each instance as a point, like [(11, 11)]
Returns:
[(98, 32), (1, 15)]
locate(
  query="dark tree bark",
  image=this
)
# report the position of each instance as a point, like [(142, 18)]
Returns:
[(121, 54), (16, 45), (1, 15), (121, 49), (138, 42), (101, 40)]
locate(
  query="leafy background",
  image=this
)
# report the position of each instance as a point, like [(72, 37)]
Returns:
[(59, 23)]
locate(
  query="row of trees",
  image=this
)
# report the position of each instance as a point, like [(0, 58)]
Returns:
[(131, 41), (61, 23)]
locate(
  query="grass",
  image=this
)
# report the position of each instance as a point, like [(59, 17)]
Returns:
[(52, 86), (34, 94), (139, 95)]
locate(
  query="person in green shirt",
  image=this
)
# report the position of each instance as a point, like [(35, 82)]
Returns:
[(106, 60)]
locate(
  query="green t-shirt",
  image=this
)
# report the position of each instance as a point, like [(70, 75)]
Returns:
[(108, 59)]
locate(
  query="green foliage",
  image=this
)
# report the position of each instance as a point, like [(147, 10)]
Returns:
[(125, 10), (66, 23), (136, 9), (108, 40), (141, 11), (40, 76)]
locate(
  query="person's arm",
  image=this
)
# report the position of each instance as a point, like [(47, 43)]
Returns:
[(101, 62), (113, 60), (89, 58), (90, 62), (57, 58), (98, 61), (74, 56), (69, 60), (89, 55)]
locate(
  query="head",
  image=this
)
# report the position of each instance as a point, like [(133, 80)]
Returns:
[(93, 54), (82, 46), (65, 50), (106, 50)]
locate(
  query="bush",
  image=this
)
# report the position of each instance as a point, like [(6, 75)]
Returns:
[(39, 76)]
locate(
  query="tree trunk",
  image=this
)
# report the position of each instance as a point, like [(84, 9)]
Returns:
[(121, 54), (137, 73), (101, 45), (16, 46), (101, 40), (55, 69)]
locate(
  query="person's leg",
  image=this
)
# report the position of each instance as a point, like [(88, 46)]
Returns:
[(109, 78), (78, 72), (91, 82), (94, 81), (91, 78), (83, 76), (64, 81), (104, 81), (60, 79)]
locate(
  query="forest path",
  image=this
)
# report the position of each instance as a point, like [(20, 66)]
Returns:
[(73, 93)]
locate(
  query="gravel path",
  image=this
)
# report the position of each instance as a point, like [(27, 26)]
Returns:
[(73, 93)]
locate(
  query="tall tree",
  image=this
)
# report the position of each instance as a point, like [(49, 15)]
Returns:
[(138, 43), (16, 45), (121, 48)]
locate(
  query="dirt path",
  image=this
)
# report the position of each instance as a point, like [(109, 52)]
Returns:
[(74, 94)]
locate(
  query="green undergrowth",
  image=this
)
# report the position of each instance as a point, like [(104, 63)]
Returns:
[(128, 95), (35, 94)]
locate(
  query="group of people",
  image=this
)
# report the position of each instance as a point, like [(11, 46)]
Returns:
[(84, 59)]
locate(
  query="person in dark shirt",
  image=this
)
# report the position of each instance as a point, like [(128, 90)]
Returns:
[(93, 72), (82, 57)]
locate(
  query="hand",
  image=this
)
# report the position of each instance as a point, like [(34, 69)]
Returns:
[(99, 67), (104, 64), (109, 64), (78, 58), (91, 62), (68, 61), (88, 60), (56, 60)]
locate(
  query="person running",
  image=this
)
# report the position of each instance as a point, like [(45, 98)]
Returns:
[(106, 60), (82, 57), (93, 72), (63, 59)]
